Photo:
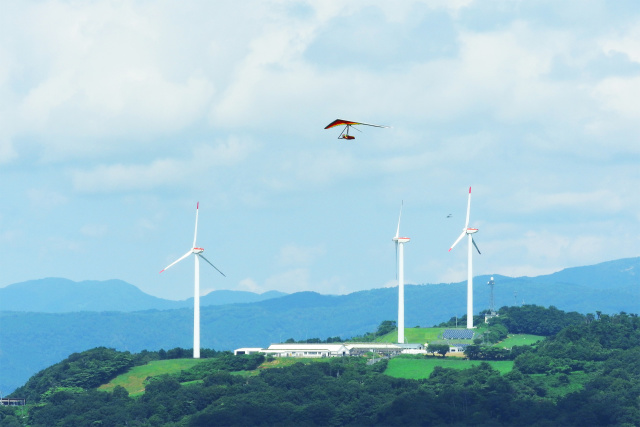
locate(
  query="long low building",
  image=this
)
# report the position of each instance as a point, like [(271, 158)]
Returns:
[(333, 349), (307, 350)]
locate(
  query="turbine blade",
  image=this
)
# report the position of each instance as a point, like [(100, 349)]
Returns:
[(459, 238), (202, 256), (466, 224), (176, 261), (195, 233), (399, 218), (474, 244)]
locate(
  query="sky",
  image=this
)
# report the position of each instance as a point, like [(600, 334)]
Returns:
[(118, 117)]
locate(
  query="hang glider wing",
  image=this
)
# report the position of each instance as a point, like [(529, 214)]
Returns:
[(340, 122), (347, 125)]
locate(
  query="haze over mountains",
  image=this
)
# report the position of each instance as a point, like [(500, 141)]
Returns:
[(30, 341), (57, 295)]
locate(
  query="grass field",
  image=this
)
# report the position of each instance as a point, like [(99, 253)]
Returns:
[(519, 339), (414, 335), (281, 362), (133, 380), (557, 388), (421, 368)]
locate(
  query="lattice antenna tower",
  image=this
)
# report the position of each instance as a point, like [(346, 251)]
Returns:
[(492, 306)]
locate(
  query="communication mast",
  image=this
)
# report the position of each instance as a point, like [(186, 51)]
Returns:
[(492, 306)]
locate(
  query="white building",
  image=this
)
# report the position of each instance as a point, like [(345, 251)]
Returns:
[(387, 349), (307, 350), (248, 350), (333, 349)]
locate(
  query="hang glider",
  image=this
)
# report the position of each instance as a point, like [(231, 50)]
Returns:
[(347, 125)]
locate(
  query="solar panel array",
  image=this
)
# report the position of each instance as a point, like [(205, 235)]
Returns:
[(457, 334)]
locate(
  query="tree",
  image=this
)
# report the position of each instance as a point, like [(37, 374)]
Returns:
[(442, 349), (386, 327), (472, 352)]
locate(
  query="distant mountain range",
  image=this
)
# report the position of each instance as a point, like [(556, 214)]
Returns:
[(30, 341), (56, 295)]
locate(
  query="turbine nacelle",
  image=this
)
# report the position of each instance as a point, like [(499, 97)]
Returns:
[(197, 250), (471, 230), (401, 239)]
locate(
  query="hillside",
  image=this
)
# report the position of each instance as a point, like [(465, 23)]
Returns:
[(586, 374), (32, 341), (56, 295)]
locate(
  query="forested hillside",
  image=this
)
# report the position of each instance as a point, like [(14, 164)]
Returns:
[(33, 341), (587, 373)]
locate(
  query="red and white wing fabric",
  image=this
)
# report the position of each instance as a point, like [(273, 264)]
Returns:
[(340, 122)]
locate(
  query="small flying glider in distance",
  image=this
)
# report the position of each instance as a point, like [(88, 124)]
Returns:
[(347, 124), (449, 216)]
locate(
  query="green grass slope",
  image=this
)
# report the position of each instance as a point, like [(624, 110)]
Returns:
[(413, 335), (416, 369), (519, 339), (133, 380)]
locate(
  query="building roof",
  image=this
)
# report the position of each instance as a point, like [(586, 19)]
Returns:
[(305, 346), (376, 345)]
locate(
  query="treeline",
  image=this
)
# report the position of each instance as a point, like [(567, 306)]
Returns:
[(585, 374), (95, 367), (578, 339), (537, 320), (384, 328), (527, 319), (345, 391)]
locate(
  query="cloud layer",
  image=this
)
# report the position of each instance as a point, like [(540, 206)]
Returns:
[(115, 118)]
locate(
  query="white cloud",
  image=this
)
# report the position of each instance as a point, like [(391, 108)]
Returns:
[(103, 70), (250, 285), (129, 177), (94, 230), (162, 172), (138, 101), (46, 199), (390, 284), (297, 255), (601, 201), (7, 152), (296, 280), (619, 95)]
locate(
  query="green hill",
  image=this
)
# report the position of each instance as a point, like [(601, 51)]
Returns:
[(134, 379), (32, 341), (420, 368), (585, 374), (413, 335)]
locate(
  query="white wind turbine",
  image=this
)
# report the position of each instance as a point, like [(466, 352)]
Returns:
[(468, 231), (196, 296), (400, 241)]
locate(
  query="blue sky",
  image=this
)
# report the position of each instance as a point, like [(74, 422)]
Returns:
[(117, 117)]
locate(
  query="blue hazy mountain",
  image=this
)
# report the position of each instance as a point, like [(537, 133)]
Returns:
[(31, 341), (56, 295)]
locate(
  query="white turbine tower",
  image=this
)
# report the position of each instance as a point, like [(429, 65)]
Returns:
[(468, 231), (400, 241), (196, 296)]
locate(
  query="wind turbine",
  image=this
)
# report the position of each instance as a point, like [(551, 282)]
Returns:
[(469, 232), (400, 241), (196, 297)]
